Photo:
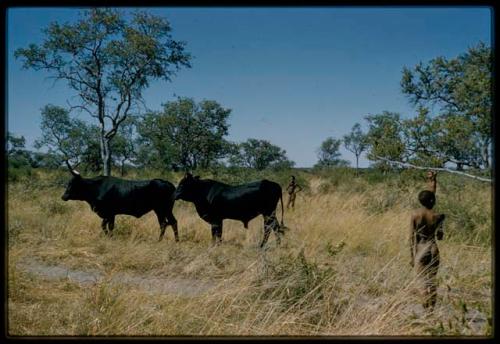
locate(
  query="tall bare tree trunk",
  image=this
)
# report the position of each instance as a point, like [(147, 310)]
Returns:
[(106, 156)]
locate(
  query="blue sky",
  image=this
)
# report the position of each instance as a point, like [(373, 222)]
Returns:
[(293, 76)]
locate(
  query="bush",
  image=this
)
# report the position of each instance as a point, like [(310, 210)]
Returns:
[(18, 174), (293, 278)]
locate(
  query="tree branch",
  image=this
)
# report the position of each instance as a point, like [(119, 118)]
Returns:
[(80, 107), (405, 164)]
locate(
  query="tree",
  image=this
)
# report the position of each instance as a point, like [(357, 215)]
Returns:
[(17, 155), (355, 142), (91, 158), (259, 155), (70, 139), (440, 140), (124, 145), (15, 144), (108, 61), (385, 137), (420, 135), (328, 154), (460, 89), (185, 135)]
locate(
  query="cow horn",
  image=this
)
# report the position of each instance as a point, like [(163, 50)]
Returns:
[(73, 171)]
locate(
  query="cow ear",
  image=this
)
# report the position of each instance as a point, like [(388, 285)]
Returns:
[(188, 175)]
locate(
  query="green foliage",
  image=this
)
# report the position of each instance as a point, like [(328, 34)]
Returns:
[(108, 59), (186, 135), (66, 138), (464, 219), (384, 137), (356, 142), (457, 141), (460, 89), (19, 160), (15, 144), (124, 145), (421, 137), (436, 141), (259, 155), (328, 154), (16, 152), (18, 173), (460, 132)]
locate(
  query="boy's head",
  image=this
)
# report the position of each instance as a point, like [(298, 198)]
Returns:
[(427, 199)]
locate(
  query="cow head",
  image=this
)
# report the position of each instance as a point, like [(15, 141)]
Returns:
[(75, 189), (187, 189)]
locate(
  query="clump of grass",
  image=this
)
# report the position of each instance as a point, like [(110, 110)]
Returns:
[(54, 207)]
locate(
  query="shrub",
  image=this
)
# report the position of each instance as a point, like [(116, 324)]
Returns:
[(18, 174)]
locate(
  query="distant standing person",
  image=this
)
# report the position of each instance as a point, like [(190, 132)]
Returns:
[(292, 190), (431, 181), (425, 228)]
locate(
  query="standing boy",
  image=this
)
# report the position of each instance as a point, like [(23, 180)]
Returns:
[(425, 228), (292, 190)]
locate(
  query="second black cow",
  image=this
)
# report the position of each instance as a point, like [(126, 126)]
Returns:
[(110, 196), (216, 201)]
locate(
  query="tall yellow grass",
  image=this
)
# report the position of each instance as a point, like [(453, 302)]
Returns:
[(342, 270)]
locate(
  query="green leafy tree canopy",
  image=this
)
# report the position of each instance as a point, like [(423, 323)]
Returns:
[(329, 155), (259, 155), (108, 60)]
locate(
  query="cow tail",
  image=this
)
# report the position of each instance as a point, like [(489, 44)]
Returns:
[(282, 210)]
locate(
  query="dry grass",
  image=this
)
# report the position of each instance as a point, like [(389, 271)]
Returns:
[(342, 270)]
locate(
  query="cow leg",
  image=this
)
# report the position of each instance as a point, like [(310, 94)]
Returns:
[(163, 223), (173, 222), (217, 232), (111, 224), (267, 230), (163, 226), (276, 228), (104, 224)]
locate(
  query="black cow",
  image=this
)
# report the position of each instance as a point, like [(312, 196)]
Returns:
[(110, 196), (215, 201)]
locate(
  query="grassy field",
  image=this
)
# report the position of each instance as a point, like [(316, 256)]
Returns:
[(343, 267)]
